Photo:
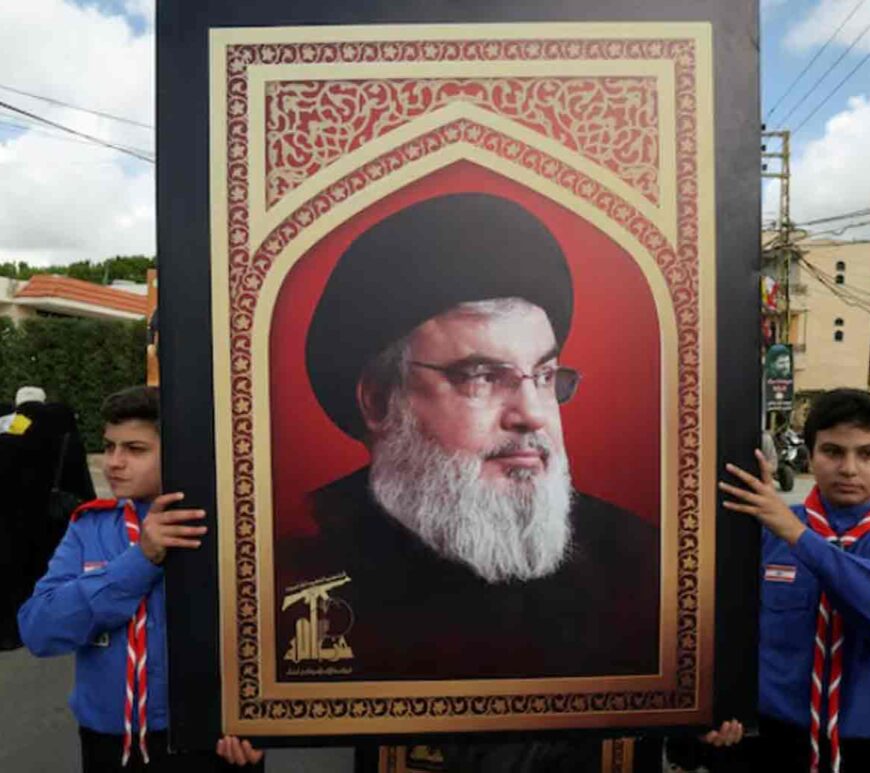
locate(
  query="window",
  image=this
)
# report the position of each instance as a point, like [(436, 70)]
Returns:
[(838, 335), (839, 279), (841, 265), (838, 322)]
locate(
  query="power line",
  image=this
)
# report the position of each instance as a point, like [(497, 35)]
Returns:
[(119, 148), (845, 299), (52, 101), (856, 213), (836, 231), (832, 92), (851, 296), (30, 129), (845, 288), (35, 127), (813, 60), (823, 76)]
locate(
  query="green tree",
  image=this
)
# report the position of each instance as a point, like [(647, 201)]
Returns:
[(76, 361), (132, 268)]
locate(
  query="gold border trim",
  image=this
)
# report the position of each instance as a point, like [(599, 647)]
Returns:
[(698, 33)]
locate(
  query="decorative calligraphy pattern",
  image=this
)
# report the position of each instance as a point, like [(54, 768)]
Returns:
[(249, 266), (611, 121)]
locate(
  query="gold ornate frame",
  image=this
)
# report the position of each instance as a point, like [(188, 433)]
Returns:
[(264, 217)]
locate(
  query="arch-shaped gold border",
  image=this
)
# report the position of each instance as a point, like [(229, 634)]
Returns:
[(284, 262), (263, 220)]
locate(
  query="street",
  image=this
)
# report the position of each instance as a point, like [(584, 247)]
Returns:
[(802, 486), (38, 732)]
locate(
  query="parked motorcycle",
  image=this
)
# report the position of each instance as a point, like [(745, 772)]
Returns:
[(793, 457)]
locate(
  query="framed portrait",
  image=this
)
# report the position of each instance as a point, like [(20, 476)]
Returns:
[(460, 272)]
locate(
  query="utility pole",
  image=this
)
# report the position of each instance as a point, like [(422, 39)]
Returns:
[(779, 252)]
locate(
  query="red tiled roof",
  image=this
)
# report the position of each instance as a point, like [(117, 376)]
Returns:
[(52, 286)]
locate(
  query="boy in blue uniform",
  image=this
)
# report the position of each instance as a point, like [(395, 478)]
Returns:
[(103, 598), (814, 669)]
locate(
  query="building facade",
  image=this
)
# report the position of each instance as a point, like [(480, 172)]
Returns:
[(830, 315)]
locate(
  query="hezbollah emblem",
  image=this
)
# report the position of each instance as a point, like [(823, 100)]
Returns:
[(323, 621)]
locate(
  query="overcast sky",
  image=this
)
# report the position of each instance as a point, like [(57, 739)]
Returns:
[(64, 199), (831, 145)]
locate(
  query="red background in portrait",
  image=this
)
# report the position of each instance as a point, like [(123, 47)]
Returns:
[(611, 427)]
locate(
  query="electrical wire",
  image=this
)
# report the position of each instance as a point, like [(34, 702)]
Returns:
[(844, 216), (37, 127), (834, 231), (52, 101), (851, 296), (31, 129), (846, 289), (832, 92), (845, 299), (813, 60), (823, 76), (119, 148), (841, 231)]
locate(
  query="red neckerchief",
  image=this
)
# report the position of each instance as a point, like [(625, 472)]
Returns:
[(828, 617), (137, 652)]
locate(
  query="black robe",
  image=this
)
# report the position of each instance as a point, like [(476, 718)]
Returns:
[(29, 463), (408, 613)]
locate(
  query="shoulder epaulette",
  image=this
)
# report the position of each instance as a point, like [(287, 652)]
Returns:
[(94, 504)]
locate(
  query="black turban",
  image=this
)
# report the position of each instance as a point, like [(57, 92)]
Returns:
[(416, 264)]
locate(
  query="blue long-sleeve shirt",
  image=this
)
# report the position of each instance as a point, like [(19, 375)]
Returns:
[(788, 621), (94, 583)]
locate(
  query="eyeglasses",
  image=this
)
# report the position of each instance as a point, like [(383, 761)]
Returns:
[(484, 381)]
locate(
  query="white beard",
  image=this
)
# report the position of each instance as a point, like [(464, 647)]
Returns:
[(520, 532)]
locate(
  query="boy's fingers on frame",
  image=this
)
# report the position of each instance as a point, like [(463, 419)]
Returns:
[(748, 478), (237, 752), (748, 509), (179, 516), (163, 501), (740, 493), (765, 466), (183, 531), (190, 531), (180, 542), (252, 755)]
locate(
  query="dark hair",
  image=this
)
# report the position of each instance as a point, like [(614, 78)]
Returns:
[(138, 402), (838, 406)]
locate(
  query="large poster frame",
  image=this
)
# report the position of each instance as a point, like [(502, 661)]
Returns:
[(678, 235)]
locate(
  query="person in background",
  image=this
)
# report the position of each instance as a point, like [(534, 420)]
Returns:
[(40, 451)]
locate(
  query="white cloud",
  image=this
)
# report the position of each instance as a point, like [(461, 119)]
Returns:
[(830, 176), (60, 200), (819, 24), (143, 8), (767, 5)]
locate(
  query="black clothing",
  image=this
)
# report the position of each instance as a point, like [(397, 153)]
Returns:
[(409, 613), (101, 753), (785, 748), (28, 464), (524, 757)]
